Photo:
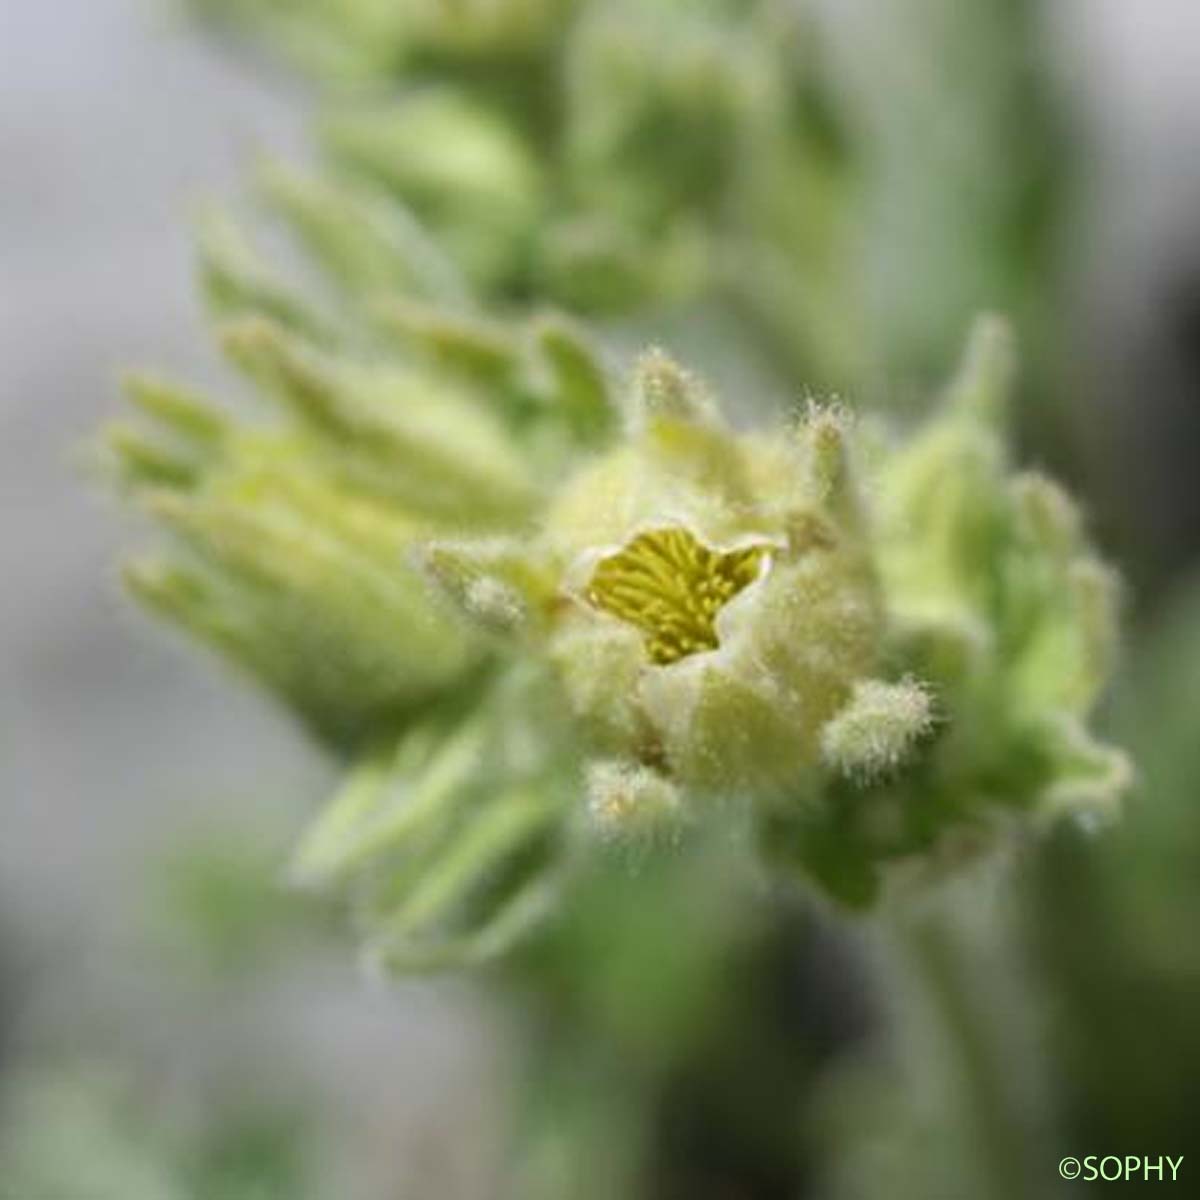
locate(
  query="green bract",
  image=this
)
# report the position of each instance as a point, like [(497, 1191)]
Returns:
[(542, 614)]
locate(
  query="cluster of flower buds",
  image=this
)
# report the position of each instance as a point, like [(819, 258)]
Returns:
[(297, 548), (867, 673), (546, 616), (543, 614)]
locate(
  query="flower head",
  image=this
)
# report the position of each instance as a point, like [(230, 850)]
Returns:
[(544, 621), (862, 671)]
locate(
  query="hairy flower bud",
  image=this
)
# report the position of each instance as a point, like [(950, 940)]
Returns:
[(632, 804), (878, 729)]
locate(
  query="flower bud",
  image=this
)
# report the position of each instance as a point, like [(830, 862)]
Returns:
[(630, 804), (398, 434), (878, 728), (463, 169)]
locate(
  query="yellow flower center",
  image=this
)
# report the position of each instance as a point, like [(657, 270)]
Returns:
[(671, 587)]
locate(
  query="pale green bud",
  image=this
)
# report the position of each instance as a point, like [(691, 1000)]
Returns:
[(304, 582), (483, 350), (236, 281), (663, 391), (630, 804), (182, 437), (543, 375), (573, 378), (411, 438), (982, 389), (460, 166), (143, 462), (496, 583), (600, 665), (878, 729), (183, 413), (1049, 517), (594, 264), (443, 862), (945, 509), (390, 799), (644, 66), (351, 635), (1090, 778), (368, 245)]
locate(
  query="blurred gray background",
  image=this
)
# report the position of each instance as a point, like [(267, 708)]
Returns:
[(116, 742)]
